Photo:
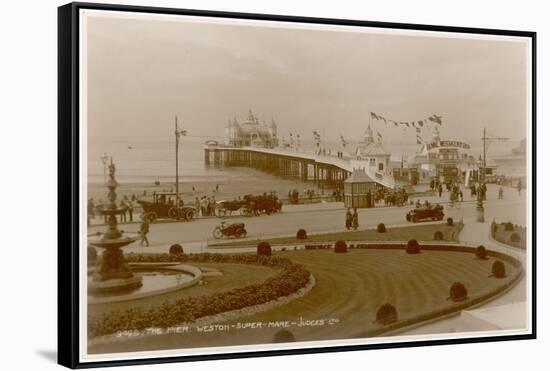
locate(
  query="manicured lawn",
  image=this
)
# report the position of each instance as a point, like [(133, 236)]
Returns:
[(420, 232), (350, 288)]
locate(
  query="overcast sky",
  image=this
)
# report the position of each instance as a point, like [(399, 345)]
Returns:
[(141, 72)]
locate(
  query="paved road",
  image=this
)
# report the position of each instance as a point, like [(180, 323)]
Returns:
[(317, 218)]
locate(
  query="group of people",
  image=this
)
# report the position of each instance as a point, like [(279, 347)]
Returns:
[(126, 205), (392, 197), (435, 185), (352, 219), (205, 206)]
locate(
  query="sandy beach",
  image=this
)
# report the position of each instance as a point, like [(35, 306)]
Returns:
[(238, 182)]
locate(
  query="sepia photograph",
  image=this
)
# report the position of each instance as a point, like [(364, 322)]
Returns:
[(250, 184)]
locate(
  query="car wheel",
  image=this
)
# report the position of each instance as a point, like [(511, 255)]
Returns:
[(173, 213), (217, 233), (241, 233)]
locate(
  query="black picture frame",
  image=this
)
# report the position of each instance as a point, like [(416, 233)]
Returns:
[(68, 181)]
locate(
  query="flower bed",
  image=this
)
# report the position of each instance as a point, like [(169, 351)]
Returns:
[(292, 278)]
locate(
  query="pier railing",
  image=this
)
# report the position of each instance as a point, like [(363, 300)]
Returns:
[(322, 169)]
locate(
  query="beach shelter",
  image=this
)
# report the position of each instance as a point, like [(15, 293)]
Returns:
[(359, 189)]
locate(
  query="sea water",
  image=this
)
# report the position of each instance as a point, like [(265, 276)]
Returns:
[(147, 159)]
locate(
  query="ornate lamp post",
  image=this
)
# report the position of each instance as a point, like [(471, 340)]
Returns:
[(104, 160)]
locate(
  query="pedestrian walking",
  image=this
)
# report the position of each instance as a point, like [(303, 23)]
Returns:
[(355, 219), (197, 205), (143, 231), (204, 206), (124, 208), (520, 187), (440, 190), (461, 196), (349, 218), (211, 206), (501, 193), (131, 211)]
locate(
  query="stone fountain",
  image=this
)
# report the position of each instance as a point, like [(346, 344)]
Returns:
[(112, 274)]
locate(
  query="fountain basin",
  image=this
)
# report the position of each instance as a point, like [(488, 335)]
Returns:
[(155, 279)]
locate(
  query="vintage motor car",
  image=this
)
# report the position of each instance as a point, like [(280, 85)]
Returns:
[(229, 230), (164, 206), (425, 212)]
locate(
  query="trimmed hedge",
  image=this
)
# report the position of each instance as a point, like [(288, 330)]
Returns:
[(508, 226), (438, 235), (458, 292), (514, 237), (301, 234), (284, 336), (386, 314), (450, 222), (481, 252), (498, 269), (264, 248), (340, 246), (290, 279), (381, 228), (176, 249), (413, 247)]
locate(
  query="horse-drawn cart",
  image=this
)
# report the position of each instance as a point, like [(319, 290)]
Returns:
[(249, 205)]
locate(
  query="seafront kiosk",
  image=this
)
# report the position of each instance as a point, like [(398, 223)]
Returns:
[(359, 190)]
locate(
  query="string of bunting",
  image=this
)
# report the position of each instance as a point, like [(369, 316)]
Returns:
[(419, 123)]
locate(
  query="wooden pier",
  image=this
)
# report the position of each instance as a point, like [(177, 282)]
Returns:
[(323, 170)]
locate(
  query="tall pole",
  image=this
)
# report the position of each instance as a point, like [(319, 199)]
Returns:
[(178, 133), (484, 156), (480, 211), (177, 165)]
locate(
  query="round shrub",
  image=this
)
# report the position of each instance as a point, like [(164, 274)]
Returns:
[(508, 226), (498, 269), (381, 228), (176, 249), (264, 248), (283, 336), (450, 222), (481, 252), (438, 235), (92, 255), (386, 314), (413, 247), (458, 291), (340, 246), (301, 234), (514, 237)]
